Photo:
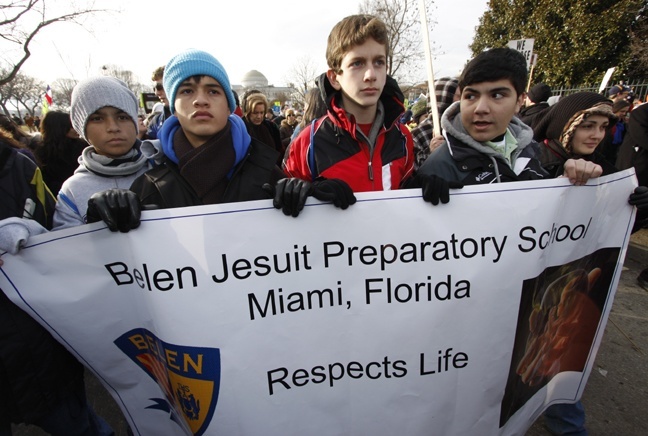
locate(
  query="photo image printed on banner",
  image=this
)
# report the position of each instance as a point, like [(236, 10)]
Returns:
[(560, 311)]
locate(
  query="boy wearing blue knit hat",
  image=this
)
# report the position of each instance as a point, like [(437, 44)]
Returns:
[(205, 154)]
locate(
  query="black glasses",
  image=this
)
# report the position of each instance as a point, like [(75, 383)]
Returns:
[(158, 87), (290, 115)]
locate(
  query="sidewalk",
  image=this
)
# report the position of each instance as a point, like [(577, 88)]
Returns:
[(616, 396)]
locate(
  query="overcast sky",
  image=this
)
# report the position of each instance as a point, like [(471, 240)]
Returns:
[(146, 33)]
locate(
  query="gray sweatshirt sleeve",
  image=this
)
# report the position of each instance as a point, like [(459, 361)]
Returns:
[(66, 213), (14, 233)]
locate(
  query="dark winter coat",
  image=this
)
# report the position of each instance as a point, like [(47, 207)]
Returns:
[(57, 169), (165, 187), (634, 149), (36, 372), (531, 115)]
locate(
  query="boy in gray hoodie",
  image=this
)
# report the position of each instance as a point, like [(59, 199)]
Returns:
[(104, 113), (485, 143)]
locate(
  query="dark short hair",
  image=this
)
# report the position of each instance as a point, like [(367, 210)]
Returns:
[(620, 104), (496, 64)]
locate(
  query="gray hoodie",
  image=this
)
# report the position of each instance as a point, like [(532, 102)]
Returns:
[(464, 160), (95, 173)]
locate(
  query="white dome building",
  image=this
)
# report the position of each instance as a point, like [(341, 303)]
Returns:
[(254, 79)]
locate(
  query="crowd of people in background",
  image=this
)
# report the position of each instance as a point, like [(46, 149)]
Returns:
[(204, 144)]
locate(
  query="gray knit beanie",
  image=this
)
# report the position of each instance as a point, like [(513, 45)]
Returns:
[(90, 95)]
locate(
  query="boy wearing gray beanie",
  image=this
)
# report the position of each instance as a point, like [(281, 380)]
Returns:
[(104, 113)]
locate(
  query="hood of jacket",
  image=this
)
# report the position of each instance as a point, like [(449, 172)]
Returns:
[(452, 125)]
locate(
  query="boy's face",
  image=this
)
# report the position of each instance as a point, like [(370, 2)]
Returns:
[(111, 132), (362, 76), (488, 107), (201, 108), (158, 89)]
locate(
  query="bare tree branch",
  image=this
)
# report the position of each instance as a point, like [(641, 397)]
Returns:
[(16, 17), (10, 31), (301, 76), (23, 90), (403, 26)]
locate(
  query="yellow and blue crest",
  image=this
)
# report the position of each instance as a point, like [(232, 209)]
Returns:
[(188, 376)]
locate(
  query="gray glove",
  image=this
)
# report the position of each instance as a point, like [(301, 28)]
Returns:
[(14, 233)]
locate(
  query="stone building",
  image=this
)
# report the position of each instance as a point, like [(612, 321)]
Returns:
[(254, 79)]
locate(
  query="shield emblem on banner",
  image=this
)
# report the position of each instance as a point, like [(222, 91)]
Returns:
[(188, 376)]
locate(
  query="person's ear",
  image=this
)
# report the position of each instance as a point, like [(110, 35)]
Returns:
[(332, 76), (520, 102)]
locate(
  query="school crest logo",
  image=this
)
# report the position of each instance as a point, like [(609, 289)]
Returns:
[(188, 376)]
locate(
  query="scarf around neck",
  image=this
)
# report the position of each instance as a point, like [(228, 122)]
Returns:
[(205, 168), (105, 166), (240, 138)]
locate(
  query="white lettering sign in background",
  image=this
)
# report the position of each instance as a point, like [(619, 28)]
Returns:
[(524, 46), (394, 316)]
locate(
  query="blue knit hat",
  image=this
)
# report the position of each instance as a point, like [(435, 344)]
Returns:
[(194, 63)]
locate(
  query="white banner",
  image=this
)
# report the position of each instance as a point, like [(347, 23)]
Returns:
[(392, 317)]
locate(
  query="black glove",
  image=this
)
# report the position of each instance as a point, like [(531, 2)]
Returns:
[(334, 190), (435, 188), (119, 208), (639, 198), (289, 195)]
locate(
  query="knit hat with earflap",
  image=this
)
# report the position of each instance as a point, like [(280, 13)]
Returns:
[(553, 121), (603, 109), (194, 63), (90, 95)]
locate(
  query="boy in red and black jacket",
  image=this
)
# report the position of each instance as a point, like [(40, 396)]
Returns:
[(360, 141)]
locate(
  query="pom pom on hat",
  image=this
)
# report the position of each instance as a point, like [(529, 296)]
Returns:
[(195, 63), (90, 95)]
